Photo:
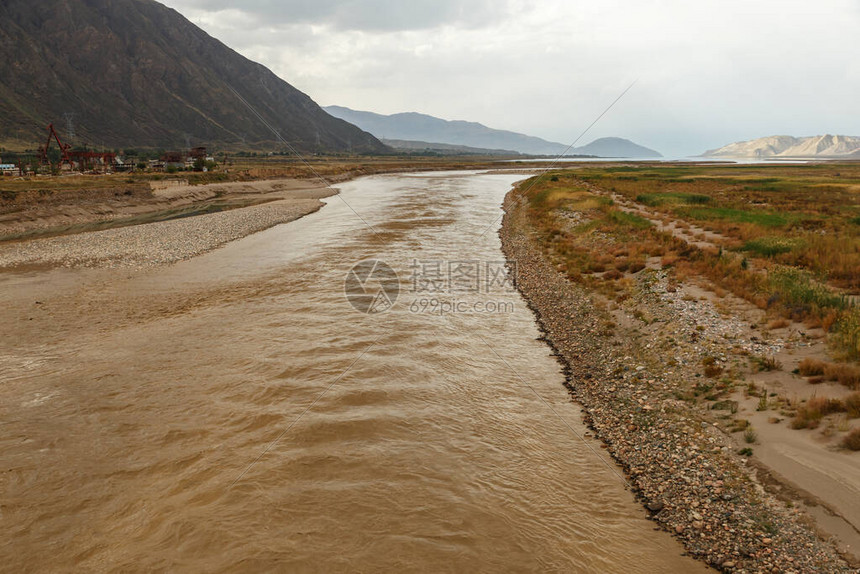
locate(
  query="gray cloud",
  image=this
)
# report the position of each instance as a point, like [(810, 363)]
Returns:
[(710, 72), (368, 15)]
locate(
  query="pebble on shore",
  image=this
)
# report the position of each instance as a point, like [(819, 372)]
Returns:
[(158, 243)]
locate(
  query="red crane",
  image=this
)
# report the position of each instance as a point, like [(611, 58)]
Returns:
[(64, 149), (85, 159)]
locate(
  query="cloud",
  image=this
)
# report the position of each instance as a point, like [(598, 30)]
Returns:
[(366, 15), (709, 72)]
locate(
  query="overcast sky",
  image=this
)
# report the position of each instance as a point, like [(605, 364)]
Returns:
[(708, 72)]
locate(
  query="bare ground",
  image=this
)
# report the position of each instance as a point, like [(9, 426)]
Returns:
[(181, 221)]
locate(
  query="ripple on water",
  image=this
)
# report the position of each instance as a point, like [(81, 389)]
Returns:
[(243, 417)]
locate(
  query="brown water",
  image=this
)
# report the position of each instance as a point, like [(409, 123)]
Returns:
[(235, 413)]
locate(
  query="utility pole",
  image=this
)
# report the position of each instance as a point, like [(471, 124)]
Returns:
[(70, 126)]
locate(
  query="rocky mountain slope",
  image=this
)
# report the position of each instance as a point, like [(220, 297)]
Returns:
[(788, 146), (136, 73)]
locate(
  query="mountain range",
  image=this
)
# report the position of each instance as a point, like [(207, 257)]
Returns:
[(826, 146), (415, 127), (136, 73)]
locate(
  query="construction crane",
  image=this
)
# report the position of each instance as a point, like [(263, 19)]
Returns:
[(84, 159), (64, 149)]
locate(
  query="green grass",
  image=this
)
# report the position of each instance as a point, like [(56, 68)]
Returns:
[(539, 199), (770, 246), (798, 288), (655, 199), (625, 219)]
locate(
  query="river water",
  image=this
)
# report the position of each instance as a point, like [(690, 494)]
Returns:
[(234, 412)]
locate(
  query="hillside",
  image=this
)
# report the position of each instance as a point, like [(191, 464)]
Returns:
[(788, 146), (136, 73), (416, 130)]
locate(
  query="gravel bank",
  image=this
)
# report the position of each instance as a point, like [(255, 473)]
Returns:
[(682, 467), (154, 243)]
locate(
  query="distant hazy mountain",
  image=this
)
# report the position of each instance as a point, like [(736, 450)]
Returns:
[(421, 130), (788, 146), (420, 127), (615, 147), (445, 149), (134, 73)]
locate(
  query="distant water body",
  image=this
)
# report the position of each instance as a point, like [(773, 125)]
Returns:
[(739, 161)]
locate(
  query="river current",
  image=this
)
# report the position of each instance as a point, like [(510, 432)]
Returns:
[(237, 412)]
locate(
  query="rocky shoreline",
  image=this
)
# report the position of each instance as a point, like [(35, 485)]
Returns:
[(680, 464)]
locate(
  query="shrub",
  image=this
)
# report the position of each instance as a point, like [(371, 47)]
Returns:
[(712, 369), (847, 375), (767, 363), (811, 367), (852, 440), (809, 415), (846, 334), (852, 405)]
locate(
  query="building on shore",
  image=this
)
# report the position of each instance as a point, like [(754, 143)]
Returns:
[(9, 169)]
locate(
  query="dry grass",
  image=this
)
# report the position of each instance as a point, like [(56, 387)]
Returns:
[(810, 414), (847, 375), (788, 237), (767, 363), (589, 238), (852, 405), (811, 367), (820, 371), (781, 231)]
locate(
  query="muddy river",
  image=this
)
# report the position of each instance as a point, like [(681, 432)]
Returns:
[(240, 412)]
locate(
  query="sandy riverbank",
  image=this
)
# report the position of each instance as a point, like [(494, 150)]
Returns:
[(255, 206), (684, 468)]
